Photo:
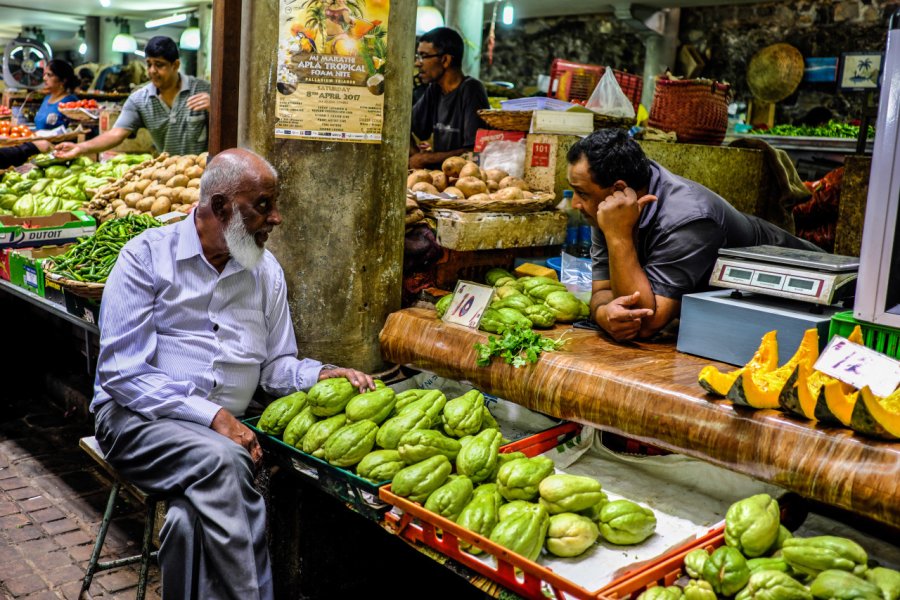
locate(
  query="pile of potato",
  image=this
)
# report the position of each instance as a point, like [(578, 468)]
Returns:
[(166, 184), (461, 178)]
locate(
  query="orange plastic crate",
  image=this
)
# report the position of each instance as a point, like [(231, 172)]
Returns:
[(575, 81)]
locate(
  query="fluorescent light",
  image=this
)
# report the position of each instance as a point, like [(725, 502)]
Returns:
[(82, 48), (508, 14), (140, 53), (124, 42), (166, 21), (190, 37), (427, 18), (105, 3)]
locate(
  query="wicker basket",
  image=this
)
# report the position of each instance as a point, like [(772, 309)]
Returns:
[(695, 109), (541, 201), (85, 289), (80, 114), (520, 120)]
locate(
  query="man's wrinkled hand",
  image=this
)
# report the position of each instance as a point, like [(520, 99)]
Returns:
[(225, 424), (67, 151), (620, 211), (198, 101), (620, 320), (357, 379)]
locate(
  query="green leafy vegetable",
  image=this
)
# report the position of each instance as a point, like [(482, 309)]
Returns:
[(518, 347), (833, 129)]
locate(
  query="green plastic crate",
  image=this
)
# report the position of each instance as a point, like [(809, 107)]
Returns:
[(877, 337)]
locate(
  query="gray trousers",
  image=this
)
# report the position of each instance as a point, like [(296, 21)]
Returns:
[(213, 542)]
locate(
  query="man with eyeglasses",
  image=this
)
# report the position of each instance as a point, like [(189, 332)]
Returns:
[(448, 110)]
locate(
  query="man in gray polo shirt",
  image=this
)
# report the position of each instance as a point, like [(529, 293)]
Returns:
[(656, 236), (174, 107)]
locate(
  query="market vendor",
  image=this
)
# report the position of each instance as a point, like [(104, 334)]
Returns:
[(448, 110), (60, 82), (174, 108), (194, 318), (13, 156), (656, 236)]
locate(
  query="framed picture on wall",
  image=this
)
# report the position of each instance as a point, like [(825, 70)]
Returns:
[(860, 70)]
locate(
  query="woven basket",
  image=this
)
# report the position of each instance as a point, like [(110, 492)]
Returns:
[(85, 289), (541, 201), (80, 114), (520, 120), (695, 109)]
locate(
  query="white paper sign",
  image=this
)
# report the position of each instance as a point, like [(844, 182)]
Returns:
[(469, 303), (859, 366)]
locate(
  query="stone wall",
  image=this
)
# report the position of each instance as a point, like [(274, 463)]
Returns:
[(727, 36)]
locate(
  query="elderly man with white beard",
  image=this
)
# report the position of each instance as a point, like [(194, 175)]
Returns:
[(194, 318)]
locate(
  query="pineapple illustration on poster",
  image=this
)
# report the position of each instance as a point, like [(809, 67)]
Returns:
[(330, 72)]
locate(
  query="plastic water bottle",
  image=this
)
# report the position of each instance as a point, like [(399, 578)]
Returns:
[(584, 241), (574, 220)]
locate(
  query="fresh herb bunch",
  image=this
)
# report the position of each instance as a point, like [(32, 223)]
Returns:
[(834, 129), (518, 347)]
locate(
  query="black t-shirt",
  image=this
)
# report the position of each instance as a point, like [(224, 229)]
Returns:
[(680, 234), (453, 117)]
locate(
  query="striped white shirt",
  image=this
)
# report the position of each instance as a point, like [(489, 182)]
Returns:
[(180, 340)]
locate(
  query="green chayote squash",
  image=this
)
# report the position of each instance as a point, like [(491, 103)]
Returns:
[(672, 592), (542, 293), (519, 479), (540, 316), (529, 283), (449, 499), (380, 465), (510, 508), (491, 322), (478, 458), (569, 493), (570, 534), (481, 514), (694, 561), (432, 403), (564, 306), (373, 406), (810, 556), (393, 429), (297, 428), (505, 291), (407, 397), (518, 302), (726, 570), (462, 416), (751, 525), (329, 396), (624, 522), (319, 432), (887, 580), (699, 589), (496, 273), (783, 534), (513, 317), (488, 421), (443, 304), (507, 281), (24, 206), (593, 512), (841, 585), (523, 532), (773, 585), (418, 481), (774, 563), (584, 310), (278, 414), (418, 444), (349, 444)]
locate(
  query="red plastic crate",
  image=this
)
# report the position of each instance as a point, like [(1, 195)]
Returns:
[(575, 81)]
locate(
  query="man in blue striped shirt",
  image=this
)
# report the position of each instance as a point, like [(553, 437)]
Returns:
[(194, 318)]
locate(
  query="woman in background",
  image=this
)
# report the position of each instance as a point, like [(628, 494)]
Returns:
[(60, 82)]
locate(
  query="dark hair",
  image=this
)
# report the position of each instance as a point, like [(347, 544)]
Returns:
[(446, 41), (64, 72), (612, 155), (162, 47)]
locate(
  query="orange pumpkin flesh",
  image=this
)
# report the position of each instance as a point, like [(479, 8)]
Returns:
[(761, 389), (718, 383)]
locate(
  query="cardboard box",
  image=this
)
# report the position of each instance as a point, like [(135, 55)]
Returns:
[(57, 229), (546, 167), (26, 271), (87, 310)]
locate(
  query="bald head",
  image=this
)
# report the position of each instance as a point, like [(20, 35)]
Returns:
[(231, 170)]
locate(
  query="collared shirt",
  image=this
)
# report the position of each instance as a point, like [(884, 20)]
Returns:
[(178, 339), (679, 235), (176, 130)]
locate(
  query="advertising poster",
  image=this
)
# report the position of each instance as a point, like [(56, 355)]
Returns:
[(330, 78)]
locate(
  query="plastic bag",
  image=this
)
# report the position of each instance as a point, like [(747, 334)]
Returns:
[(505, 155), (577, 275), (609, 99)]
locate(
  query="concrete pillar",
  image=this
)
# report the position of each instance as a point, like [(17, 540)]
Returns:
[(660, 44), (204, 12), (92, 38), (343, 204), (467, 17), (108, 30)]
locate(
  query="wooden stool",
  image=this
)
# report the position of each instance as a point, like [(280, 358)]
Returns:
[(89, 445)]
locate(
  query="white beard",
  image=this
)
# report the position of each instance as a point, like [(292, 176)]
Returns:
[(240, 243)]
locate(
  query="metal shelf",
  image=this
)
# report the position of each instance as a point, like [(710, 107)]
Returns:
[(56, 309)]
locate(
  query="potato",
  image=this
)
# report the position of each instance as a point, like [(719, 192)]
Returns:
[(507, 193), (201, 159), (482, 174), (454, 192), (418, 176), (425, 187), (132, 199), (164, 175), (177, 193), (471, 186), (479, 198), (127, 189), (528, 195), (117, 203), (184, 164), (122, 211), (161, 206), (439, 180), (513, 182), (164, 191), (194, 183), (470, 169), (493, 186), (170, 161), (186, 208), (193, 172), (453, 165), (144, 204), (190, 195), (142, 185), (177, 181), (496, 175)]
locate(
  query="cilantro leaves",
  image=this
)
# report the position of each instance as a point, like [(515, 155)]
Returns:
[(518, 347)]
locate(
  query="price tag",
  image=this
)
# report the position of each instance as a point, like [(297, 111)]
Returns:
[(859, 366), (469, 303), (562, 122)]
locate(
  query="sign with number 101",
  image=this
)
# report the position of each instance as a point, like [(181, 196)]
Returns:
[(469, 303)]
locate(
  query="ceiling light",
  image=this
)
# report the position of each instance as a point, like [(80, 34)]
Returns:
[(166, 21), (508, 13), (190, 37), (427, 18), (82, 47), (140, 53), (105, 3), (124, 42)]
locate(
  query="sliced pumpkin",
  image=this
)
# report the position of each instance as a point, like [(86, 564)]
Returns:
[(800, 395), (877, 417), (718, 383), (761, 388), (834, 404)]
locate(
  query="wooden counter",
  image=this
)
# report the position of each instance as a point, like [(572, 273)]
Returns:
[(650, 392)]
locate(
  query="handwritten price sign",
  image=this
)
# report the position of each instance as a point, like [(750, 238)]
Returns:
[(859, 366), (470, 300)]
